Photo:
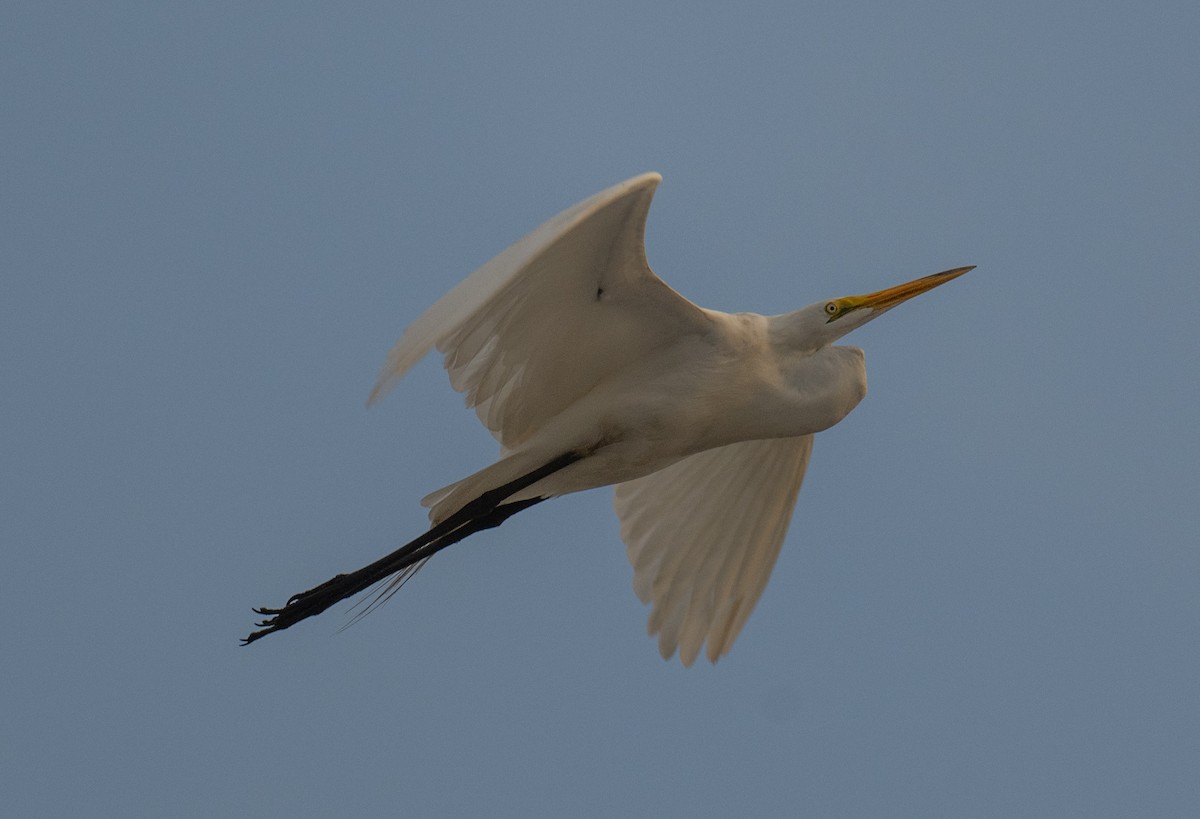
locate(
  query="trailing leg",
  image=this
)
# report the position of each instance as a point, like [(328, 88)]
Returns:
[(485, 512)]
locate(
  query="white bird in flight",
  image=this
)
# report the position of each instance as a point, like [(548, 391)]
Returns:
[(591, 371)]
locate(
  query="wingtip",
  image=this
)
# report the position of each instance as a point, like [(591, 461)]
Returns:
[(647, 179), (643, 181), (389, 377)]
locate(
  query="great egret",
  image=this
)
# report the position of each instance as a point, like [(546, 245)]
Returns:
[(591, 371)]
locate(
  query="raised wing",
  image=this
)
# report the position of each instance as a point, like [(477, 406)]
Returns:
[(538, 326), (703, 535)]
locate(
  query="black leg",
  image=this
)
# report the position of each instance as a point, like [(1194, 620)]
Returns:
[(485, 512)]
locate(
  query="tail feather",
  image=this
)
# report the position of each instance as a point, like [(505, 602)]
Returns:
[(448, 501)]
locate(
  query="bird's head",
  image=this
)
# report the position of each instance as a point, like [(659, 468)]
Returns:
[(823, 323)]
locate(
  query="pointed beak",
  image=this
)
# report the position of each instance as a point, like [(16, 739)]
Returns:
[(887, 299)]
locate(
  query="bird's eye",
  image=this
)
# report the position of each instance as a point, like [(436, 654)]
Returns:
[(831, 309)]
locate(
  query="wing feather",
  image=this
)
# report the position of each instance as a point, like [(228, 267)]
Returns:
[(534, 329), (703, 535)]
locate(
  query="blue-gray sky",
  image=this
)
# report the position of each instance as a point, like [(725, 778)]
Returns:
[(217, 217)]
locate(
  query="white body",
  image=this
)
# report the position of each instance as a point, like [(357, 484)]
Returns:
[(724, 385)]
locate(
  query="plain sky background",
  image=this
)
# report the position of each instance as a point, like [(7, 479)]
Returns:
[(216, 218)]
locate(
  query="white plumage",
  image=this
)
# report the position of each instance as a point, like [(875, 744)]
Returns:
[(591, 371)]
